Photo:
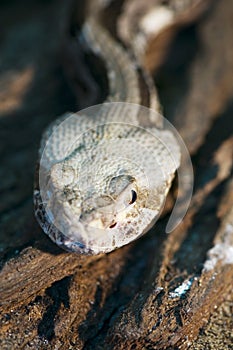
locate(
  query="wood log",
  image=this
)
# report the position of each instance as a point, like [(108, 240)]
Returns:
[(160, 291)]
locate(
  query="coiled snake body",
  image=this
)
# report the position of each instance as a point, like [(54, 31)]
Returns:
[(105, 171)]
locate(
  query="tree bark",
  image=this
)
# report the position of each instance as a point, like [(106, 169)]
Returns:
[(163, 291)]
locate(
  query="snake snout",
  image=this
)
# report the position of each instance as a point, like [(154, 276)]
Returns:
[(106, 212), (97, 208)]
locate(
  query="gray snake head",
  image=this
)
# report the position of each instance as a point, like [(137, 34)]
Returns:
[(102, 185)]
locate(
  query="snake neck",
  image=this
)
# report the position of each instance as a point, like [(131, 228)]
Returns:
[(121, 71), (127, 81)]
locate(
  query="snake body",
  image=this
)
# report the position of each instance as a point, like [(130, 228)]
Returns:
[(105, 171)]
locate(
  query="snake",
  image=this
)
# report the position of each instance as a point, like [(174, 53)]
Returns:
[(104, 172)]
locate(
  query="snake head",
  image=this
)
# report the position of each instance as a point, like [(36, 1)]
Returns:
[(107, 187)]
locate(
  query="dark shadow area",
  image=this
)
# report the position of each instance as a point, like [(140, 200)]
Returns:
[(57, 295), (110, 15), (221, 130), (172, 77), (191, 256)]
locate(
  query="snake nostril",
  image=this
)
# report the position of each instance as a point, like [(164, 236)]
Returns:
[(113, 225)]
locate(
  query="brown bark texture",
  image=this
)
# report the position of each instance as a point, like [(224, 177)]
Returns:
[(130, 298)]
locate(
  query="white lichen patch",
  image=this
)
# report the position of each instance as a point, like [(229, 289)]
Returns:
[(222, 251), (182, 289)]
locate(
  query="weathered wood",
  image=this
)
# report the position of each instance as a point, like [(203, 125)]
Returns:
[(131, 298)]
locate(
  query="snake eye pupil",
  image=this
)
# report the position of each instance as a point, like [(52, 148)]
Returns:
[(112, 225), (134, 196)]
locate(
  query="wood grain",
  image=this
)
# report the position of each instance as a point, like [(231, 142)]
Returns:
[(131, 298)]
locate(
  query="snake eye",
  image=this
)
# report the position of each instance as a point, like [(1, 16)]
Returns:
[(133, 197)]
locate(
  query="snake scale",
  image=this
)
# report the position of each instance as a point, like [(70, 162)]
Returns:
[(105, 171)]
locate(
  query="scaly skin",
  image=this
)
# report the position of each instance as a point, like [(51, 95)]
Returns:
[(103, 178)]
